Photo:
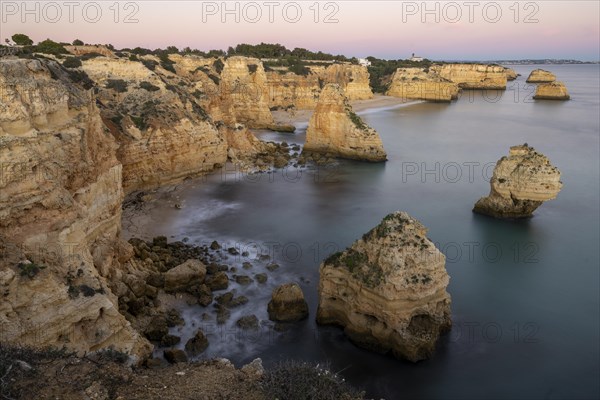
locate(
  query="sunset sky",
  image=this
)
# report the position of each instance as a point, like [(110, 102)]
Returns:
[(460, 30)]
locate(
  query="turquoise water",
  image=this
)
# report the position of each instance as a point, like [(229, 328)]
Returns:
[(525, 294)]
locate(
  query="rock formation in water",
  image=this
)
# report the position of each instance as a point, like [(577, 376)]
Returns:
[(60, 215), (520, 184), (417, 83), (473, 76), (388, 290), (551, 91), (540, 76), (511, 75), (335, 129)]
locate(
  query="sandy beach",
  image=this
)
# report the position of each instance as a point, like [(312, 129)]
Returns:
[(378, 101)]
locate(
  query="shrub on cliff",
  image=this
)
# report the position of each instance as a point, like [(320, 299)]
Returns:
[(50, 47), (148, 86), (72, 62), (296, 380), (118, 85), (218, 65), (150, 64), (77, 42)]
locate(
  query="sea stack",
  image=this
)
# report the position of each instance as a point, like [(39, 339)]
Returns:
[(388, 290), (422, 84), (541, 76), (335, 129), (551, 91), (520, 184)]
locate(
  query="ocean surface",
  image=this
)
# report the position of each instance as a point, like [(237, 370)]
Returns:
[(525, 294)]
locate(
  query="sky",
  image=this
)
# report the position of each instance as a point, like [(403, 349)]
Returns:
[(438, 30)]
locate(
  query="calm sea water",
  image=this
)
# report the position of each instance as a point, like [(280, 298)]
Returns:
[(525, 294)]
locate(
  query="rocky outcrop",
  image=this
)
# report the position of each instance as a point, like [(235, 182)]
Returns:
[(289, 90), (60, 210), (388, 290), (335, 129), (520, 184), (473, 76), (190, 273), (540, 76), (511, 75), (164, 133), (287, 304), (551, 91), (418, 83), (90, 49)]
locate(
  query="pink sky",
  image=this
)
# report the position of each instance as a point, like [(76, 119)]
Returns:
[(389, 29)]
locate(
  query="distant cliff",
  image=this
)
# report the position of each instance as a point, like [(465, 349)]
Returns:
[(473, 76)]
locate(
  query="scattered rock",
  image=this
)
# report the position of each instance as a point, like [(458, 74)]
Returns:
[(287, 304), (169, 340), (243, 279), (254, 370), (246, 265), (191, 272), (175, 356), (219, 281), (173, 318), (272, 267), (197, 344), (248, 322), (156, 329), (215, 245), (541, 76), (261, 278)]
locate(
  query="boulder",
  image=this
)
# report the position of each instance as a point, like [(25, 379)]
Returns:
[(175, 356), (287, 304), (197, 344), (191, 272)]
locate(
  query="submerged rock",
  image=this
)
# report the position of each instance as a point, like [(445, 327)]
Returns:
[(551, 91), (388, 290), (287, 304), (520, 184), (334, 128), (197, 344)]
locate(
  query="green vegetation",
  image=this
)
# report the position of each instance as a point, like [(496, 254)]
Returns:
[(80, 77), (148, 86), (252, 68), (218, 66), (139, 122), (21, 39), (296, 380), (166, 62), (77, 42), (270, 50), (89, 56), (50, 47), (150, 64), (30, 269), (72, 62), (381, 71), (118, 85), (358, 122)]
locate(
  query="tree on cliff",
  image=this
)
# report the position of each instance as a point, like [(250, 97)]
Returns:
[(77, 42), (21, 39)]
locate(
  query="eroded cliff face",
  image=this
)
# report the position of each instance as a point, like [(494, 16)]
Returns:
[(60, 210), (511, 75), (520, 184), (388, 290), (551, 91), (289, 90), (416, 83), (164, 132), (335, 129), (473, 76), (540, 76)]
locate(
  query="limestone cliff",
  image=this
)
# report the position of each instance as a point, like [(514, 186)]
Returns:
[(163, 131), (551, 91), (60, 210), (540, 76), (417, 83), (388, 290), (287, 89), (520, 184), (244, 85), (473, 76), (334, 128)]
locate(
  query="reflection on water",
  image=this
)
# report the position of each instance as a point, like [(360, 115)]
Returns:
[(524, 293)]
